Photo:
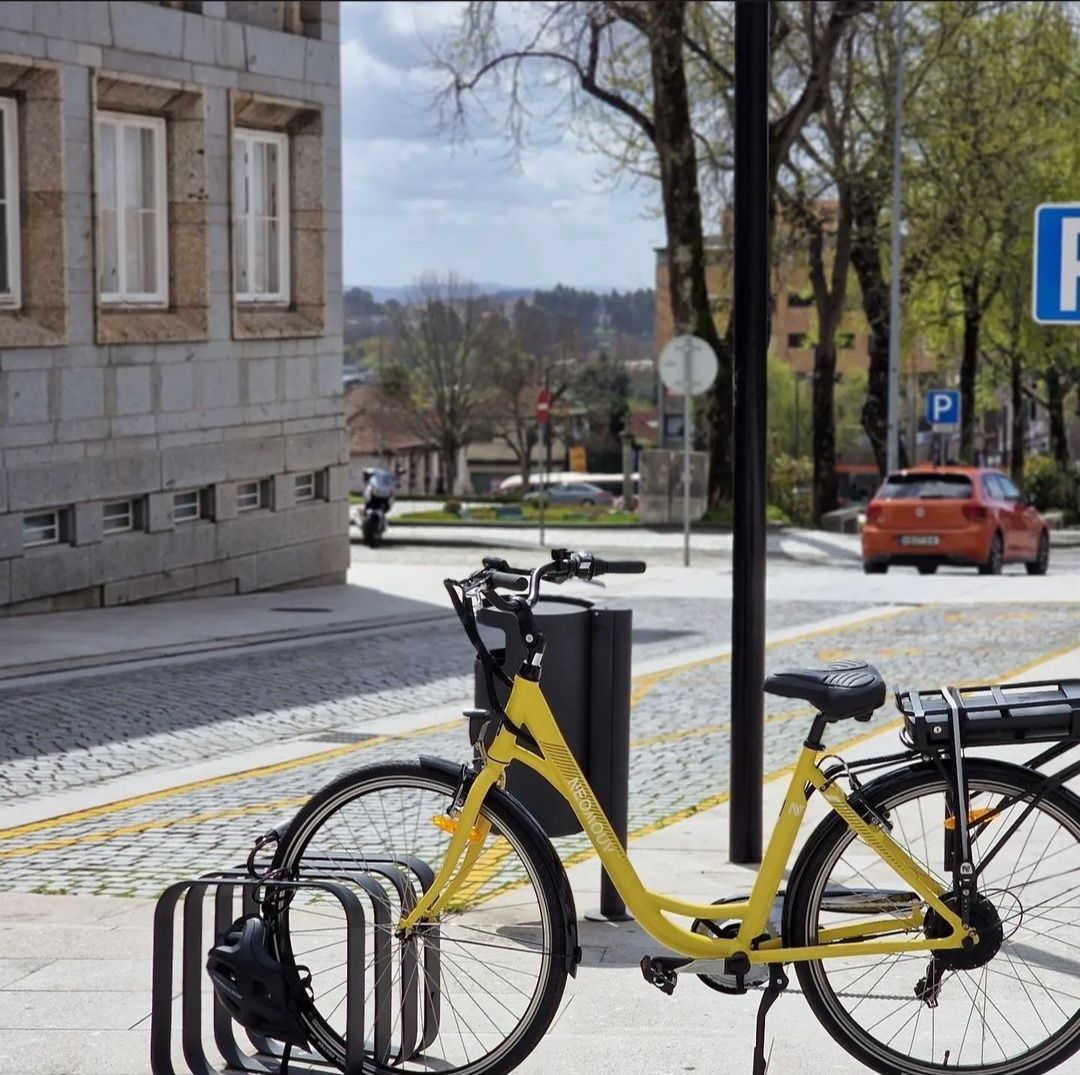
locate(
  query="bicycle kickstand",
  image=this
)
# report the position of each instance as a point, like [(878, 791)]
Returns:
[(778, 982)]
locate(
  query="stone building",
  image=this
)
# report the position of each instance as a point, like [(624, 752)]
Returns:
[(170, 301)]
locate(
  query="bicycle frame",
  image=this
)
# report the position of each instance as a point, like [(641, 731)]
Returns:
[(528, 709)]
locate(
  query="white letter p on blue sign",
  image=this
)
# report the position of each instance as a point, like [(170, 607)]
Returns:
[(1056, 265), (1070, 262)]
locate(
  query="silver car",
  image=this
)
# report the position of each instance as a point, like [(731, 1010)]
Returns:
[(582, 493)]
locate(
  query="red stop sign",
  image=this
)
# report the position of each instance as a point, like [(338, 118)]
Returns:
[(543, 405)]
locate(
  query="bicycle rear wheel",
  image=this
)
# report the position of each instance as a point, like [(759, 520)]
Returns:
[(1009, 1007), (504, 943)]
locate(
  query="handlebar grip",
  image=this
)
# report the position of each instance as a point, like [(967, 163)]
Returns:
[(618, 567), (506, 581)]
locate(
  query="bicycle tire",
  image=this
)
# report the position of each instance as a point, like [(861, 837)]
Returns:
[(529, 863), (816, 867)]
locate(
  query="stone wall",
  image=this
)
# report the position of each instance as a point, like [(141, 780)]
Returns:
[(100, 405)]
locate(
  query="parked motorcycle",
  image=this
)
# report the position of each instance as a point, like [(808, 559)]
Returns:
[(380, 487)]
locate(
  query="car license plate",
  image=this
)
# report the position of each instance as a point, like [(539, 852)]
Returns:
[(919, 539)]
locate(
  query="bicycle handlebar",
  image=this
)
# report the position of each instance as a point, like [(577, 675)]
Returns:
[(506, 581), (497, 574)]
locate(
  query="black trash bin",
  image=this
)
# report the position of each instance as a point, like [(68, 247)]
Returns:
[(586, 681)]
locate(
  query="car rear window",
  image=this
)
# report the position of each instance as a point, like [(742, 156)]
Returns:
[(926, 487)]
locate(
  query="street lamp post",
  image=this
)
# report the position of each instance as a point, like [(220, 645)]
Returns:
[(751, 326)]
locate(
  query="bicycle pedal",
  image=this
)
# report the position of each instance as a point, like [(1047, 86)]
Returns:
[(658, 971)]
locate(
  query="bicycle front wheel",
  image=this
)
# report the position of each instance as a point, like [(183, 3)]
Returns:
[(475, 991), (1010, 1006)]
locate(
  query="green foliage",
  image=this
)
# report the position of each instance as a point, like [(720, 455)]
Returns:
[(790, 487), (630, 312), (1050, 487), (452, 507)]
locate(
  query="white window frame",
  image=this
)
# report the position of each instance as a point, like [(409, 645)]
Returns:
[(181, 514), (12, 298), (259, 488), (115, 520), (55, 526), (306, 487), (123, 296), (248, 137)]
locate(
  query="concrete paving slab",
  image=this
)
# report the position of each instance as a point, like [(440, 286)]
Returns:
[(74, 1052), (16, 970), (78, 975), (78, 1010)]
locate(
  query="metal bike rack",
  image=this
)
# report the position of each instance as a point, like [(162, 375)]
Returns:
[(364, 898)]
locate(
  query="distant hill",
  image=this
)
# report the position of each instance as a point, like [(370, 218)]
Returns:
[(402, 293), (598, 314)]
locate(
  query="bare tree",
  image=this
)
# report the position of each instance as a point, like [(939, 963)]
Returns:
[(438, 369), (531, 350), (629, 59)]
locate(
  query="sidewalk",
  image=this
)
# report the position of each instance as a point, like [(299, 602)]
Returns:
[(65, 641), (75, 973)]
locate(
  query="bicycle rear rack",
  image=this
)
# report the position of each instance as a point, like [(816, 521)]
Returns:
[(363, 896)]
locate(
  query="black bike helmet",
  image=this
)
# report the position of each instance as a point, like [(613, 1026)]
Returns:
[(255, 987)]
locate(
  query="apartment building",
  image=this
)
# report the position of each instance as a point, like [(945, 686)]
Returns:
[(170, 301)]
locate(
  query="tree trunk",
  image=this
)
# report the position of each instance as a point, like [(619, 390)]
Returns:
[(825, 485), (677, 157), (448, 465), (1055, 405), (866, 260), (1019, 418), (969, 367)]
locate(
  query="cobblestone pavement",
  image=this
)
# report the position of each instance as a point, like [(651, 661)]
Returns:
[(678, 757), (78, 732)]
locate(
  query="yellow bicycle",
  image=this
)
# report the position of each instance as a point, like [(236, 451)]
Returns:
[(933, 917)]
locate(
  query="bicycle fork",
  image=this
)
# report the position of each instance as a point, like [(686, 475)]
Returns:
[(469, 832)]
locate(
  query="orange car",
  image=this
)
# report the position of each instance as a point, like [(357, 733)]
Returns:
[(953, 515)]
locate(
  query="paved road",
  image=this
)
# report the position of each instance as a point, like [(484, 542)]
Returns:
[(679, 730)]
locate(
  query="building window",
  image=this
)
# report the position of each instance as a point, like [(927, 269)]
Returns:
[(132, 225), (9, 203), (191, 506), (797, 340), (261, 216), (42, 528), (799, 301), (845, 341), (118, 517), (250, 496), (307, 487)]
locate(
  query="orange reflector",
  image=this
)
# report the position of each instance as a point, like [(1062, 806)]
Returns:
[(449, 824), (973, 816)]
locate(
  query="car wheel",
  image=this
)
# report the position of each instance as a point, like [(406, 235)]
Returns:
[(926, 569), (874, 569), (996, 556), (1041, 562), (587, 503)]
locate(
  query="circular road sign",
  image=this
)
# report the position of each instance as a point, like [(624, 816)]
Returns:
[(674, 367)]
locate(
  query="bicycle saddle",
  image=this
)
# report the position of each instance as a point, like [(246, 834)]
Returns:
[(839, 691)]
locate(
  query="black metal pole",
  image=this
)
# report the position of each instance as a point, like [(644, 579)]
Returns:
[(751, 312)]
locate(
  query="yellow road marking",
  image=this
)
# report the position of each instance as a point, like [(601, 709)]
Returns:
[(484, 869), (335, 752), (643, 685), (60, 842), (216, 781), (308, 759)]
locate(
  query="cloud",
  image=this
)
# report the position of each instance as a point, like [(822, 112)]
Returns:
[(415, 201)]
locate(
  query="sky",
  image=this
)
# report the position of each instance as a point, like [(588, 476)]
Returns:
[(416, 201)]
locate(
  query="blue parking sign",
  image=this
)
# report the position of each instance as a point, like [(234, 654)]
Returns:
[(943, 407), (1056, 265)]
